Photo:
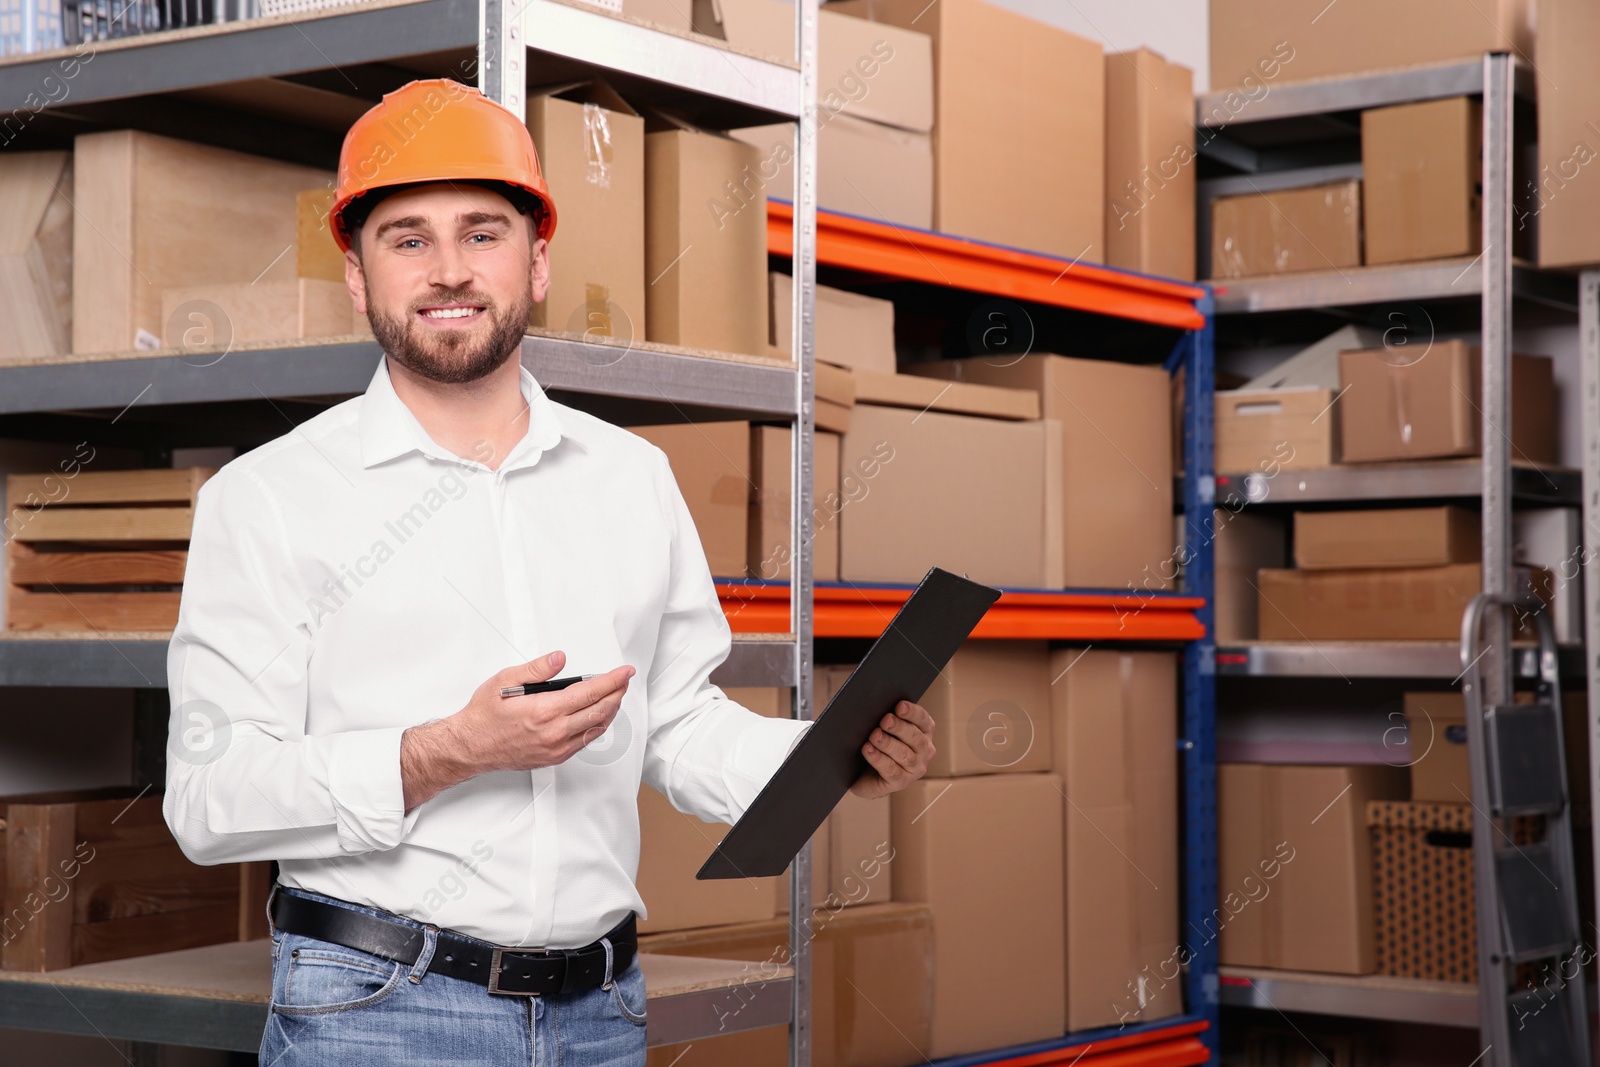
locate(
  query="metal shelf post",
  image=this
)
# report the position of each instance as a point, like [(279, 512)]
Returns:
[(1202, 995)]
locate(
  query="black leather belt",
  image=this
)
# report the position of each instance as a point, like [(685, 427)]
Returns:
[(523, 972)]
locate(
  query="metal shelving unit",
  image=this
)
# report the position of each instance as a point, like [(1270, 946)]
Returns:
[(287, 86), (283, 85), (1490, 285)]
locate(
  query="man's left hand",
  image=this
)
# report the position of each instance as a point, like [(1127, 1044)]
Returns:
[(899, 750)]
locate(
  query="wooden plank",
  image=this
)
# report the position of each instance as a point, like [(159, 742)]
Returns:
[(126, 817), (141, 935), (255, 886), (28, 566), (122, 882), (39, 846), (164, 185), (77, 612), (103, 524), (154, 486)]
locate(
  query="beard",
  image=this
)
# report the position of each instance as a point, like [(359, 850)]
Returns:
[(459, 356)]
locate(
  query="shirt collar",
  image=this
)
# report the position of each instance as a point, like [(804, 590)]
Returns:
[(389, 429)]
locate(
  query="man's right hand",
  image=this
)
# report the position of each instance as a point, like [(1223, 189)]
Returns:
[(495, 733)]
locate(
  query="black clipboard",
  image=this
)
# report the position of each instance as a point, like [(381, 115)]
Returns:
[(901, 664)]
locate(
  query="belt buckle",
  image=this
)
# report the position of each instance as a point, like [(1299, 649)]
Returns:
[(494, 971)]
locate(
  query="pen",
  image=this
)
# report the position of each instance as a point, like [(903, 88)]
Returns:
[(530, 688)]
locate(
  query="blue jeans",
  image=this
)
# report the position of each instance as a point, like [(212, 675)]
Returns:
[(339, 1007)]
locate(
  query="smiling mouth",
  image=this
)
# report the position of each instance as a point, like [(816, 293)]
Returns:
[(453, 312)]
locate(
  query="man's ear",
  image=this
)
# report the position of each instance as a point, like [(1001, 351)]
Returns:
[(355, 279), (540, 274)]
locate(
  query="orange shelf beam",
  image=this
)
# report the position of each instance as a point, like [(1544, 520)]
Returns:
[(1169, 1046), (940, 259), (864, 611)]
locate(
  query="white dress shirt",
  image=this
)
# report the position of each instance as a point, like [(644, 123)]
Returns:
[(352, 578)]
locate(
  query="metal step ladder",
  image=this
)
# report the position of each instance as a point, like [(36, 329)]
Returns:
[(1533, 1006)]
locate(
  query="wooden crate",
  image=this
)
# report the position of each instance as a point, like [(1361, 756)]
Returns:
[(96, 875), (98, 551)]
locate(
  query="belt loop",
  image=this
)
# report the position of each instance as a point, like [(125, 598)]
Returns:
[(430, 941), (272, 894), (606, 941)]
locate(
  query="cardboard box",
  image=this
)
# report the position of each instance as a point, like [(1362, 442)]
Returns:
[(1018, 145), (711, 461), (36, 255), (1115, 721), (673, 845), (850, 330), (1427, 919), (1116, 451), (860, 846), (1294, 870), (145, 193), (991, 709), (1428, 406), (835, 397), (1268, 430), (1381, 604), (316, 254), (769, 543), (1564, 208), (1313, 228), (591, 150), (975, 496), (961, 398), (1436, 727), (1257, 42), (1422, 178), (871, 1000), (865, 169), (1387, 537), (1243, 543), (238, 313), (1150, 165), (668, 14), (705, 244), (985, 852), (869, 71)]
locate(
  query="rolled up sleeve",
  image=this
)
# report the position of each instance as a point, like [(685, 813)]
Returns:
[(244, 780), (708, 755)]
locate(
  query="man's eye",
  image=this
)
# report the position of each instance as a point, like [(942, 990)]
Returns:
[(414, 241), (485, 236)]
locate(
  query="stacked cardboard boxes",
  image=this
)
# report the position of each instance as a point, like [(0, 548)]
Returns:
[(1018, 145), (874, 111), (1255, 43), (1150, 165)]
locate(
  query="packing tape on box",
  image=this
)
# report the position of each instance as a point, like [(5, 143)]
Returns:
[(597, 310), (597, 145), (1397, 383)]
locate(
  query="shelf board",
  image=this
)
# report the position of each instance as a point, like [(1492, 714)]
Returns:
[(1442, 279), (1229, 107), (271, 46), (705, 78), (217, 997), (1372, 659), (853, 610), (908, 254), (632, 51), (1436, 480), (117, 660), (1370, 996), (343, 366)]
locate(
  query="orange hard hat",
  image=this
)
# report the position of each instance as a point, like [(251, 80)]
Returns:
[(431, 130)]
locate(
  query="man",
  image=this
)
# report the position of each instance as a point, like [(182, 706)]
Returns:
[(355, 592)]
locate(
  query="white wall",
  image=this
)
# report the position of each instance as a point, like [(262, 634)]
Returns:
[(1175, 28)]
